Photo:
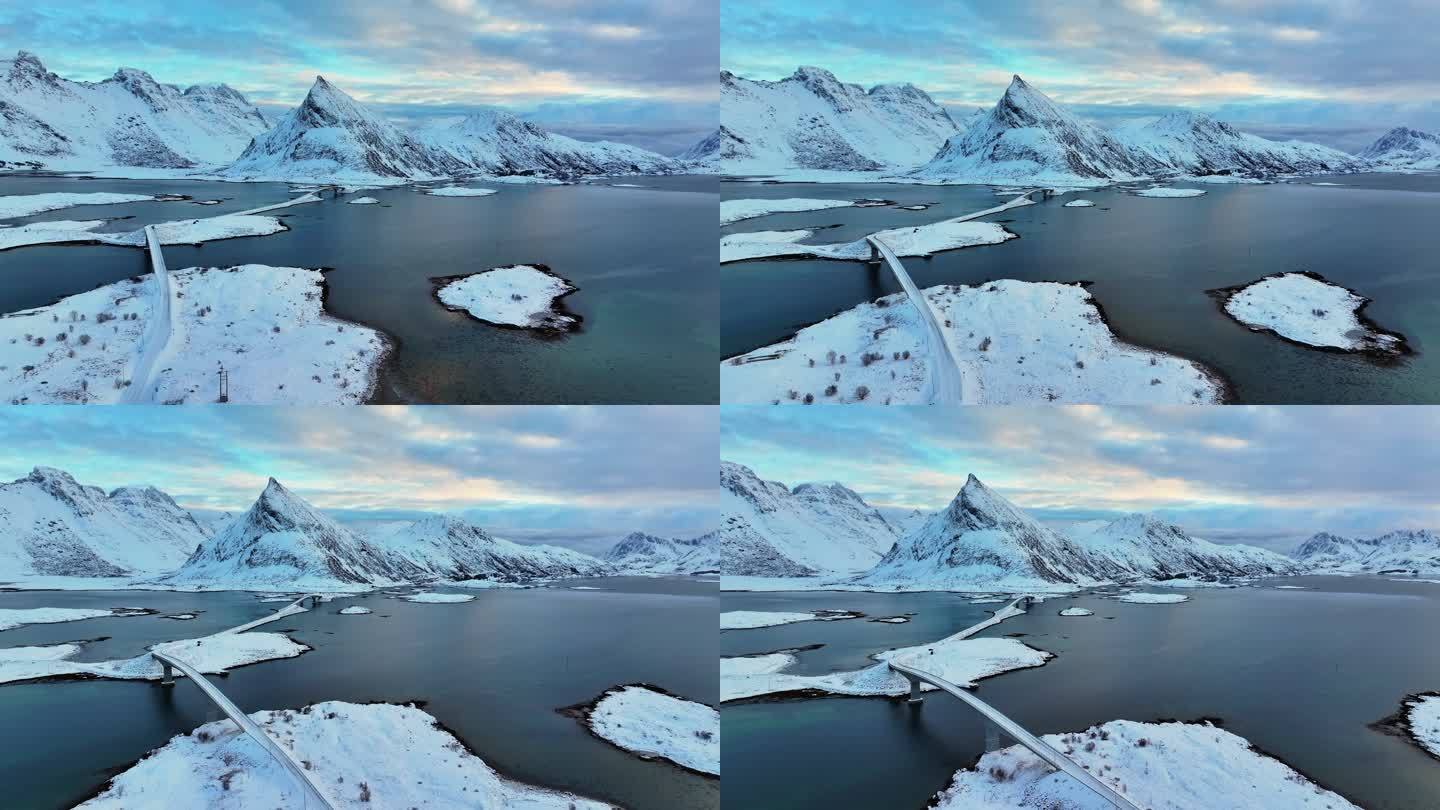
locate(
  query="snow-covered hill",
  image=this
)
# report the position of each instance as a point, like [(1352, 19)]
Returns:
[(1144, 546), (641, 553), (1026, 137), (704, 156), (770, 530), (1404, 551), (50, 525), (331, 136), (811, 120), (496, 142), (1194, 143), (128, 119), (1404, 148), (446, 547)]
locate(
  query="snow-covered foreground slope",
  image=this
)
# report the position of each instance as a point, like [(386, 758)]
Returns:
[(1404, 149), (1017, 342), (1407, 551), (641, 553), (769, 529), (811, 120), (51, 525), (269, 323), (212, 655), (1163, 766), (648, 722), (361, 756), (129, 119), (527, 296), (1307, 309)]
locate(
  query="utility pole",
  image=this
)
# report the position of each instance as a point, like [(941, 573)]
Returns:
[(224, 385)]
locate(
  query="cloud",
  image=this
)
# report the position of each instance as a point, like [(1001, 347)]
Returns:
[(532, 472), (1268, 475)]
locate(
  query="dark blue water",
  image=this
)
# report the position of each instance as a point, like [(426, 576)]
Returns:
[(493, 671), (643, 258), (1301, 674), (1151, 262)]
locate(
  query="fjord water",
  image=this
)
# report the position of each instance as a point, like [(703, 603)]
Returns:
[(492, 671), (1301, 674), (1150, 263), (643, 259)]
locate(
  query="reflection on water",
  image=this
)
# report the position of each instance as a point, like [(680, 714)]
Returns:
[(493, 671), (1151, 262), (1301, 674), (643, 258)]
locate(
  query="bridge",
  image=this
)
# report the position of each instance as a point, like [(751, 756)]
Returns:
[(945, 382), (169, 663), (156, 335), (997, 723)]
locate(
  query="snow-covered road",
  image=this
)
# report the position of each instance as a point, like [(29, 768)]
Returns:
[(157, 330)]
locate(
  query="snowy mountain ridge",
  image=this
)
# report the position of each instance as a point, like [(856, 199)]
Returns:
[(812, 120), (1414, 551), (51, 525), (769, 529), (129, 119), (1404, 148), (641, 553)]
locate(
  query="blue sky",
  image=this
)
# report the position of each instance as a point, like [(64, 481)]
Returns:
[(579, 476), (641, 71), (1338, 72), (1264, 475)]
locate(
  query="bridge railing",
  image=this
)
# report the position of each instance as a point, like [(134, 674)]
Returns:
[(997, 723)]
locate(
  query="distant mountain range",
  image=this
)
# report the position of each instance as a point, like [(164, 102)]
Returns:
[(1400, 552), (50, 525), (811, 120), (132, 121)]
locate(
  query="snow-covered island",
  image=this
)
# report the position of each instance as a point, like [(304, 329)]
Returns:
[(1304, 308), (1016, 341), (429, 598), (1165, 766), (268, 326), (355, 610), (1153, 598), (376, 755), (459, 191), (732, 211), (24, 205), (1076, 611), (652, 723), (921, 240), (180, 232), (522, 296), (751, 619), (1164, 192), (363, 201), (1417, 720), (215, 654), (11, 618), (1080, 204)]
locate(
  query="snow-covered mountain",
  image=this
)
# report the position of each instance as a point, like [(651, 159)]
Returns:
[(1026, 137), (284, 543), (1404, 551), (1144, 546), (1404, 148), (641, 553), (1195, 143), (811, 120), (981, 542), (331, 136), (704, 155), (446, 547), (128, 119), (496, 142), (50, 525), (769, 529)]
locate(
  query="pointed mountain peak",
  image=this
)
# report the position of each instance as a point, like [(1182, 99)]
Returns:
[(51, 477), (811, 74), (278, 498), (29, 61)]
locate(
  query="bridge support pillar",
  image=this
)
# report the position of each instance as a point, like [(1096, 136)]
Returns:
[(992, 737), (915, 696), (167, 674)]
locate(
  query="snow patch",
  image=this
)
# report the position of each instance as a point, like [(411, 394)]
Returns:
[(439, 598), (653, 724), (1166, 192), (1076, 611), (12, 618), (1153, 598), (24, 205), (751, 619), (1080, 204), (520, 295), (1307, 309), (362, 201), (459, 191), (355, 610), (732, 211)]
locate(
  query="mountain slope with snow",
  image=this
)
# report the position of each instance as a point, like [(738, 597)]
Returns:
[(1404, 148), (1146, 547), (641, 553), (50, 525), (1026, 137), (129, 119), (704, 155), (770, 530), (811, 120), (1404, 551), (496, 142), (446, 547), (1194, 143)]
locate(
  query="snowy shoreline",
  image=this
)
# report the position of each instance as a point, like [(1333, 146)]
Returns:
[(469, 293), (1417, 721), (698, 754), (1297, 307)]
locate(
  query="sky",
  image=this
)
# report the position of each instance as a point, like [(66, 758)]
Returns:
[(639, 71), (1338, 72), (576, 476), (1269, 476)]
